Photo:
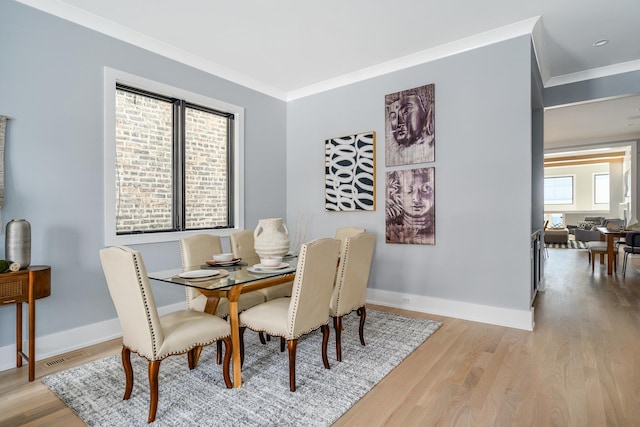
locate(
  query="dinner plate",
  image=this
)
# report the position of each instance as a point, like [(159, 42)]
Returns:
[(198, 274), (277, 267), (224, 263), (269, 271)]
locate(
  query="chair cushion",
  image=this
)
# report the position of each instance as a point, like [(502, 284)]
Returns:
[(185, 329), (597, 247)]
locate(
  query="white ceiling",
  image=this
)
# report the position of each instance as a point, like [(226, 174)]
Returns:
[(292, 48)]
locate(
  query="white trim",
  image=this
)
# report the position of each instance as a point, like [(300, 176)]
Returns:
[(84, 336), (532, 26), (511, 318), (73, 339), (111, 76), (125, 34), (438, 52), (120, 32), (610, 70)]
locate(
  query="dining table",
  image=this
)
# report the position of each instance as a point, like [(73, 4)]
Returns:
[(229, 280), (609, 235)]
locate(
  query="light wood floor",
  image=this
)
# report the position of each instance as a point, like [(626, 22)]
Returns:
[(580, 367)]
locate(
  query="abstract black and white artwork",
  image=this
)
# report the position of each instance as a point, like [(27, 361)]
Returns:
[(410, 206), (410, 135), (350, 173)]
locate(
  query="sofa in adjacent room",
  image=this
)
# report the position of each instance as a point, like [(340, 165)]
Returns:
[(586, 231)]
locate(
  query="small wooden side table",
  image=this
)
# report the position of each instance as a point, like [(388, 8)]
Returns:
[(21, 286)]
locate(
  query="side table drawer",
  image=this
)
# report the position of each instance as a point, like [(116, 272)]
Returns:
[(14, 287)]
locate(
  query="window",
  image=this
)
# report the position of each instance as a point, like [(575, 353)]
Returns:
[(558, 190), (172, 162), (601, 188)]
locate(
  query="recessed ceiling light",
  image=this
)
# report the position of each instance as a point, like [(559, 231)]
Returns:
[(600, 42)]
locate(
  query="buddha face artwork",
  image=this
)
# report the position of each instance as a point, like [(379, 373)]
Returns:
[(410, 206)]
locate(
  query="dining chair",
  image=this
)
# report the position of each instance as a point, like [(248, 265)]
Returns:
[(308, 307), (599, 248), (349, 292), (241, 243), (196, 250), (152, 336), (632, 247)]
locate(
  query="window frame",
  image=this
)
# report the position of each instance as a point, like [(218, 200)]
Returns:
[(573, 190), (595, 199), (113, 76)]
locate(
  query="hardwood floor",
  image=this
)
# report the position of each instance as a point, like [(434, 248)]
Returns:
[(580, 367)]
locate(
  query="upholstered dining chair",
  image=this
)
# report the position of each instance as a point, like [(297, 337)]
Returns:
[(308, 307), (152, 336), (632, 247), (196, 250), (599, 248), (241, 243), (349, 292)]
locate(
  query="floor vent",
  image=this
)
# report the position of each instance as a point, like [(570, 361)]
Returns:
[(63, 359)]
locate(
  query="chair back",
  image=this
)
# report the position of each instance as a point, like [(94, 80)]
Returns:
[(352, 278), (196, 250), (344, 232), (241, 243), (130, 291), (633, 239), (313, 285)]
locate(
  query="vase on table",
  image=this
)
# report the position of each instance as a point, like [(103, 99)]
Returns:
[(271, 237), (17, 244)]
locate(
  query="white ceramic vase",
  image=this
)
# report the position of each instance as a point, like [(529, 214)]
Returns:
[(271, 237), (17, 244)]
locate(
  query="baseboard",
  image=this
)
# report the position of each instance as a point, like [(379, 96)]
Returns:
[(519, 319), (72, 339), (84, 336)]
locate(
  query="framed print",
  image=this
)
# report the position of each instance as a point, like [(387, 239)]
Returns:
[(410, 206), (350, 179), (410, 135)]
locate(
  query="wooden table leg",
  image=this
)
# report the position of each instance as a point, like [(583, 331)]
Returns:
[(32, 332), (610, 255), (18, 334), (236, 361)]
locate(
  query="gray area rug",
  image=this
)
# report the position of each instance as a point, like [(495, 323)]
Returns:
[(199, 397)]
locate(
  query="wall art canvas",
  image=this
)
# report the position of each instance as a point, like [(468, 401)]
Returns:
[(410, 206), (350, 173), (410, 135)]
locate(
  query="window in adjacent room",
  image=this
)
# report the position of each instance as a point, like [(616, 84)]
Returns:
[(558, 190), (601, 188), (175, 162)]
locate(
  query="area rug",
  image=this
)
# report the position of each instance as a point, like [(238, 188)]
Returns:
[(199, 397), (572, 244)]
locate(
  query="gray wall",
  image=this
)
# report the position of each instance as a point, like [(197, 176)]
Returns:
[(483, 174), (51, 85)]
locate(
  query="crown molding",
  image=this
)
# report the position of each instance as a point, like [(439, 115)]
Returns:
[(94, 22), (479, 40), (594, 73), (532, 26)]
